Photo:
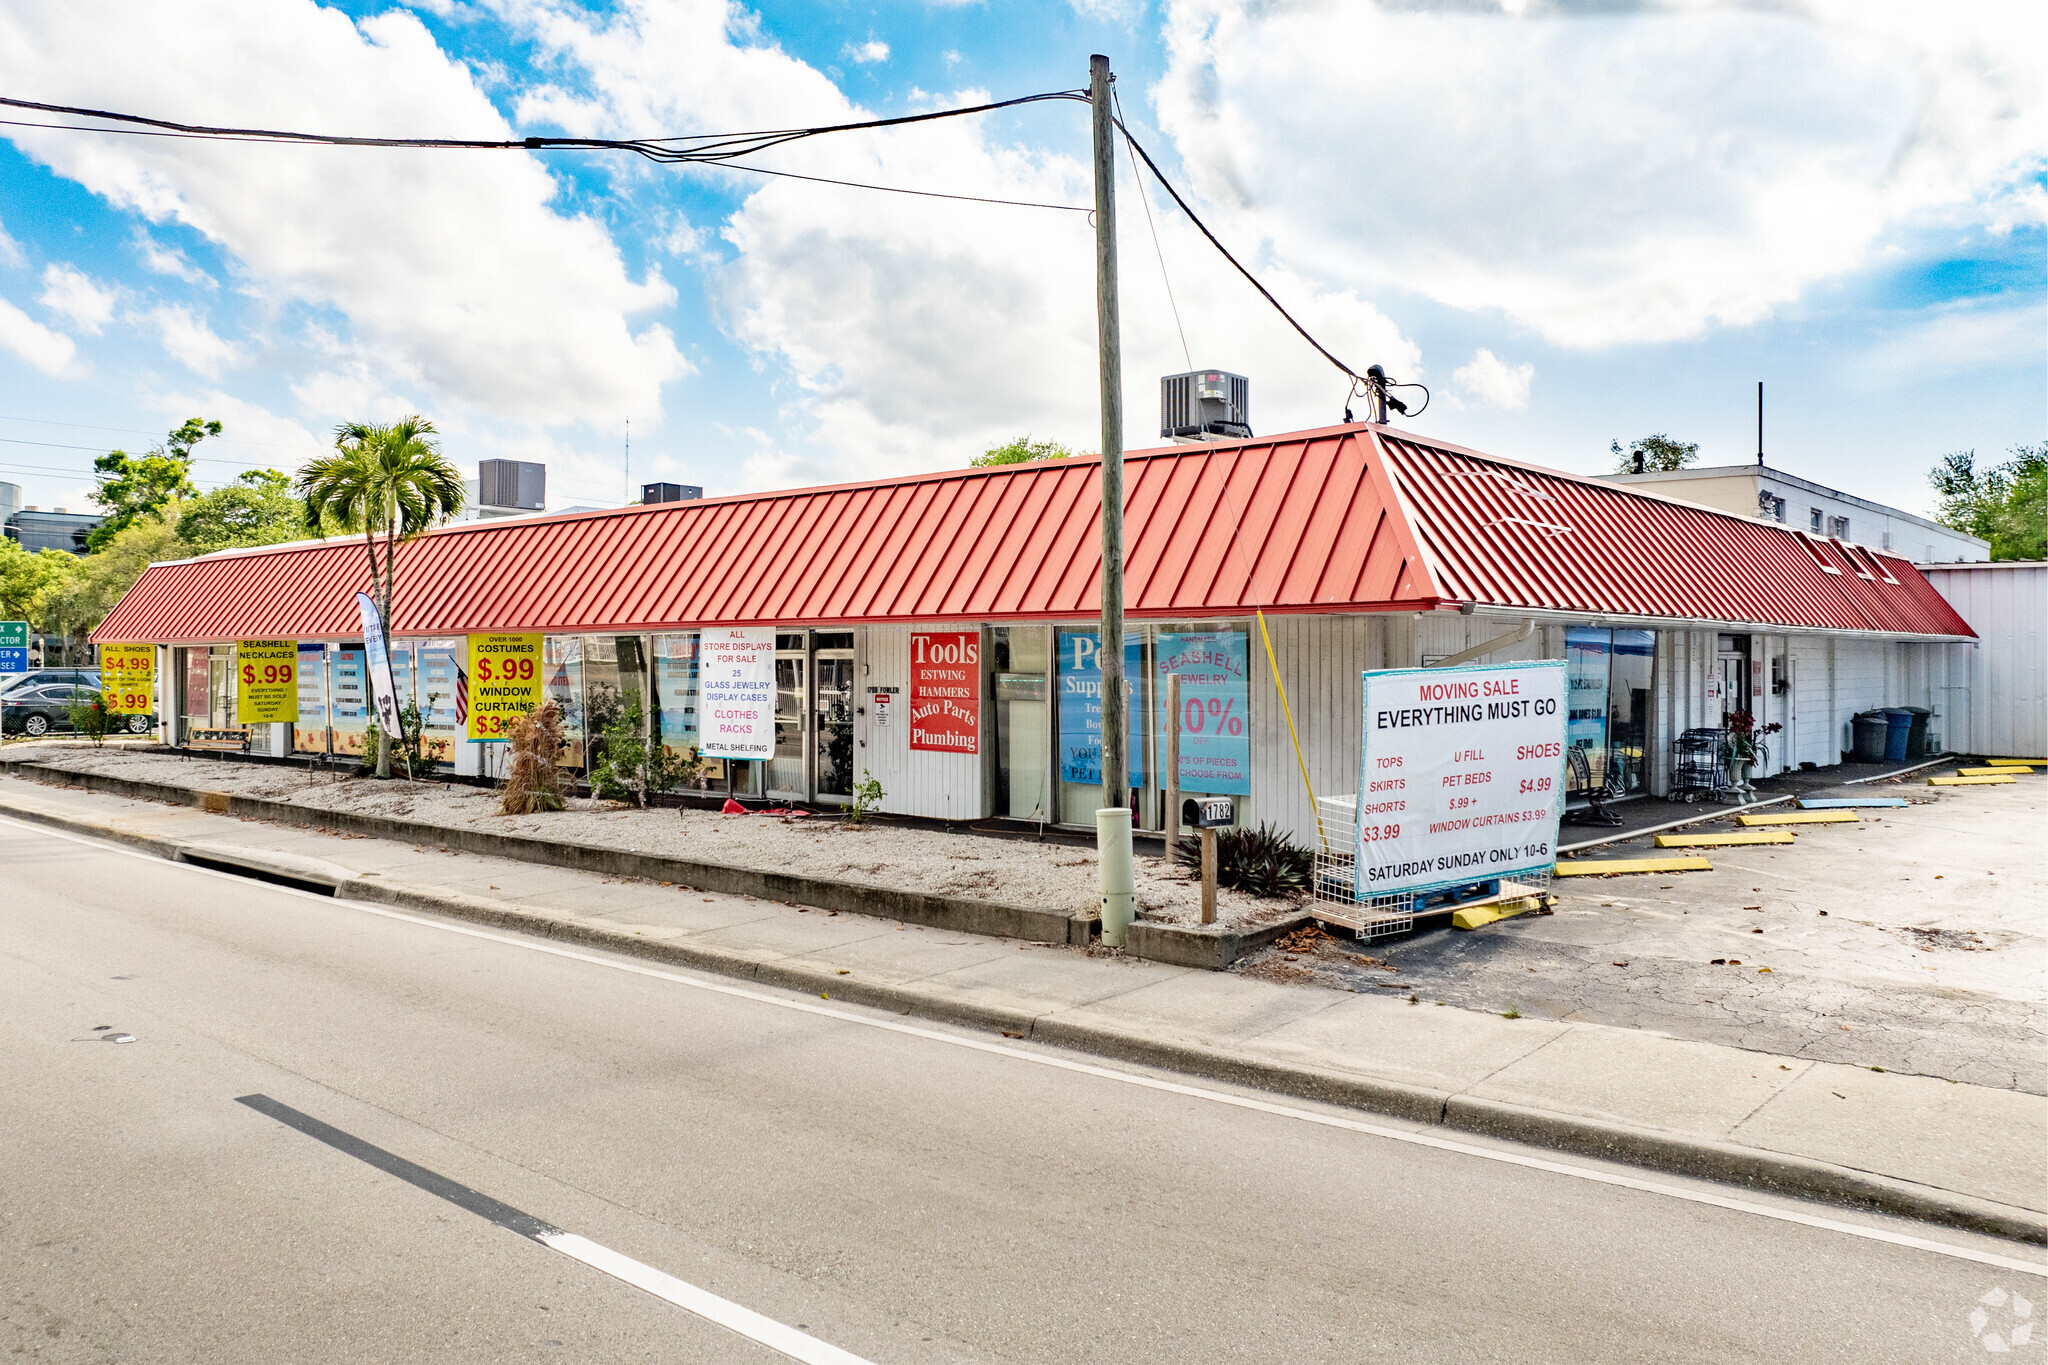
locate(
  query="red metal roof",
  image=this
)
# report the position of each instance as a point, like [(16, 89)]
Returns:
[(1310, 521)]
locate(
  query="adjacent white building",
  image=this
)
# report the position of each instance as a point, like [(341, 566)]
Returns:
[(1755, 490)]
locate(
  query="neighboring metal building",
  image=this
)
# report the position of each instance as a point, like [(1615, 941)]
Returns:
[(1999, 681), (1362, 546), (1754, 490)]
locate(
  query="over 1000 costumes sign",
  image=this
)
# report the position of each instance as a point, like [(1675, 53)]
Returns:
[(1461, 776)]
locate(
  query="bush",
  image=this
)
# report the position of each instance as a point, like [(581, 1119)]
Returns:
[(866, 796), (533, 783), (90, 717), (1258, 862), (630, 765)]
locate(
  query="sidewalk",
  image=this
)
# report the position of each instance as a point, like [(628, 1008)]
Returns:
[(1964, 1155)]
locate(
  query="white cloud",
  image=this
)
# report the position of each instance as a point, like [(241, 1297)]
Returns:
[(191, 342), (51, 352), (453, 269), (10, 251), (1606, 176), (168, 260), (70, 293), (1491, 382), (873, 50)]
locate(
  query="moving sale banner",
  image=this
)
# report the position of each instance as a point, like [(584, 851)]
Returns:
[(504, 684), (1461, 776), (266, 681), (945, 691), (736, 672)]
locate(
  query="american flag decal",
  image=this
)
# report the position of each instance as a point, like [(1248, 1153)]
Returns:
[(461, 695)]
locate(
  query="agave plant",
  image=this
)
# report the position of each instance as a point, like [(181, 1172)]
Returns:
[(1258, 862)]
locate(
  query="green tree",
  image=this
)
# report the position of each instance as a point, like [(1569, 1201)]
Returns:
[(259, 508), (132, 486), (2006, 504), (98, 581), (389, 482), (28, 582), (1023, 450), (1660, 454)]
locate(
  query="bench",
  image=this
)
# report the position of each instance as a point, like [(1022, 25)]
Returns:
[(218, 741)]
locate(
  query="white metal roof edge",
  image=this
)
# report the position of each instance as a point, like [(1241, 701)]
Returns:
[(1600, 618)]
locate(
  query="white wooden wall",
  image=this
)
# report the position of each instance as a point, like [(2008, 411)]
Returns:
[(942, 786), (1995, 689)]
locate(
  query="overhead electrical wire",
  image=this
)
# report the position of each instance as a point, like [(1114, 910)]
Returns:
[(713, 149), (1146, 200)]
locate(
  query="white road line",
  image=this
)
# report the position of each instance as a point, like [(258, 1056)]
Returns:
[(1534, 1163), (745, 1321)]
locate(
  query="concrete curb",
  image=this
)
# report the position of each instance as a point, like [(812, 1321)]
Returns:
[(1677, 1153), (1206, 947)]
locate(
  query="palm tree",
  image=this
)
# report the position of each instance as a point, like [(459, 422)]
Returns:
[(390, 482)]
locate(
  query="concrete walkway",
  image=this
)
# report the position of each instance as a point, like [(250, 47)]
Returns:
[(1959, 1154)]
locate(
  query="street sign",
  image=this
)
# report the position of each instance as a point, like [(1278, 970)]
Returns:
[(1208, 812), (13, 646)]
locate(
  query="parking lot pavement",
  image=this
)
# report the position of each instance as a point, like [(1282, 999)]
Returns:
[(1915, 940)]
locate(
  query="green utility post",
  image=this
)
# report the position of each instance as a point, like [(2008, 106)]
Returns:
[(1113, 820)]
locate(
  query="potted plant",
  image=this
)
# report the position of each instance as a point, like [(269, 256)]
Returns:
[(1746, 747)]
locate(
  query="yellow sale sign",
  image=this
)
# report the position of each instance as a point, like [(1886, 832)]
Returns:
[(504, 684), (266, 681), (128, 679)]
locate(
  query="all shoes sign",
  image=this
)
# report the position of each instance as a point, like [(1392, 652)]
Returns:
[(945, 691)]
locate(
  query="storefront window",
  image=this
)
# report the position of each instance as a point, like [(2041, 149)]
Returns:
[(348, 698), (309, 736), (562, 663), (437, 663), (832, 721), (785, 774), (1608, 679), (675, 700), (1215, 699), (1080, 720), (220, 687), (1022, 661)]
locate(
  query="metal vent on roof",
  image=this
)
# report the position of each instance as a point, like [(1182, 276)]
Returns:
[(512, 483)]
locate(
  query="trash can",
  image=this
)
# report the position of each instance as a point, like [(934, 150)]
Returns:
[(1898, 730), (1871, 730), (1916, 738)]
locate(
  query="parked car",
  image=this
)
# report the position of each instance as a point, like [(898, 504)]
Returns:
[(43, 708), (43, 677)]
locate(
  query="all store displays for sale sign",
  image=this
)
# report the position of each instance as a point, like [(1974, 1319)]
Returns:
[(1461, 776), (945, 691), (737, 673)]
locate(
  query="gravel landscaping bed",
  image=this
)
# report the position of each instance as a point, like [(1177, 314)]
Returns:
[(881, 853)]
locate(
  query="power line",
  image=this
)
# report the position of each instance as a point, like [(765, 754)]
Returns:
[(1146, 200), (693, 147)]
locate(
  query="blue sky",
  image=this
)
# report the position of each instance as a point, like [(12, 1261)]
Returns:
[(1576, 223)]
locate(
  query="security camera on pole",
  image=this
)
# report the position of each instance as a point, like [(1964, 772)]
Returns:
[(1113, 820)]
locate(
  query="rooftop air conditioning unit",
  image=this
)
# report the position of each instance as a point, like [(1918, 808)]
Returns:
[(512, 483), (1205, 405), (670, 492)]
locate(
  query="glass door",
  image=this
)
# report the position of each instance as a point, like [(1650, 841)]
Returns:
[(787, 776), (832, 715)]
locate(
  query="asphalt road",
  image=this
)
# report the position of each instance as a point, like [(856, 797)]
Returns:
[(901, 1193)]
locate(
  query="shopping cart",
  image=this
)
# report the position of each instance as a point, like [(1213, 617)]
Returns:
[(1698, 765)]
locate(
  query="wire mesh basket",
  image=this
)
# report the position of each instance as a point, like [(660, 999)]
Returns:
[(1335, 894)]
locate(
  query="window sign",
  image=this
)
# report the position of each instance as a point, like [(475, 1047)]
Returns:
[(675, 690), (349, 698), (1081, 706), (945, 691), (443, 694), (1588, 653), (310, 735), (1461, 775), (268, 686), (1215, 695), (562, 659), (737, 675), (128, 679)]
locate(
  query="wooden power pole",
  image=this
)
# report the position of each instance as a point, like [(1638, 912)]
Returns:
[(1113, 818), (1116, 781)]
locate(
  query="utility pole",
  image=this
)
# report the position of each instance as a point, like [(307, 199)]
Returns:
[(1113, 819)]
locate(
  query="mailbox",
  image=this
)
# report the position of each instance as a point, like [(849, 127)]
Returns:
[(1208, 812)]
